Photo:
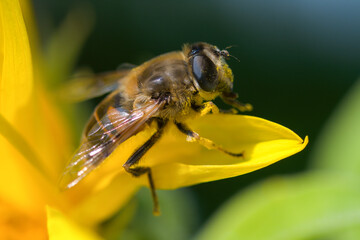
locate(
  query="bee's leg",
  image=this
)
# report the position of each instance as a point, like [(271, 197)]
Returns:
[(194, 136), (229, 111), (208, 107), (231, 99), (138, 171)]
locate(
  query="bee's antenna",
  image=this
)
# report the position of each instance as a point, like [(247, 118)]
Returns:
[(226, 54), (231, 46), (234, 57)]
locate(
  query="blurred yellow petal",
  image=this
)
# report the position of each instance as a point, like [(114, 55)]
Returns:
[(33, 111), (16, 86), (34, 140), (19, 179), (32, 130), (60, 228), (16, 224), (28, 125), (110, 198)]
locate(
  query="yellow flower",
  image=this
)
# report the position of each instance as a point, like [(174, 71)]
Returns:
[(33, 138), (34, 146)]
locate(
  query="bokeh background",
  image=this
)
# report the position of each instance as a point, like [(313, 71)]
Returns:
[(298, 59)]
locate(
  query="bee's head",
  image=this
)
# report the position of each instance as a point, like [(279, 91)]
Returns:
[(209, 69)]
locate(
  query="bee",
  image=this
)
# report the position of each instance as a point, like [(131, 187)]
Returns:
[(167, 89)]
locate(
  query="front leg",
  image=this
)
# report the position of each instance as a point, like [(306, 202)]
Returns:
[(194, 136), (208, 107)]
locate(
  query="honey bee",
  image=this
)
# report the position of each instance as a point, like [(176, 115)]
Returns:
[(166, 90)]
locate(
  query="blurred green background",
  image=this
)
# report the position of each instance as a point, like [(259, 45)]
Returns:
[(298, 59)]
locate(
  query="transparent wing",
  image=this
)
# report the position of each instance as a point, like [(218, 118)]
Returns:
[(114, 128), (88, 85)]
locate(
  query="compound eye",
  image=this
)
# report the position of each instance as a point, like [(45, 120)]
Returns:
[(205, 72)]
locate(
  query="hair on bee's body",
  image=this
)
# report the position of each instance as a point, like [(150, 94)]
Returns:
[(167, 89)]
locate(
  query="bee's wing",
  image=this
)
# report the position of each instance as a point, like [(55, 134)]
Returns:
[(114, 128), (86, 86)]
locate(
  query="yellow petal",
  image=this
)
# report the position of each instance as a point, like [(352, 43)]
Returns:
[(16, 73), (21, 183), (17, 224), (23, 137), (16, 85), (177, 163), (60, 227), (110, 198)]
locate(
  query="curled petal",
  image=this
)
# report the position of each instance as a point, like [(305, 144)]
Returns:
[(177, 163)]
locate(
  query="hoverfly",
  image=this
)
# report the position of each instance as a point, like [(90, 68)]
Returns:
[(166, 90)]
